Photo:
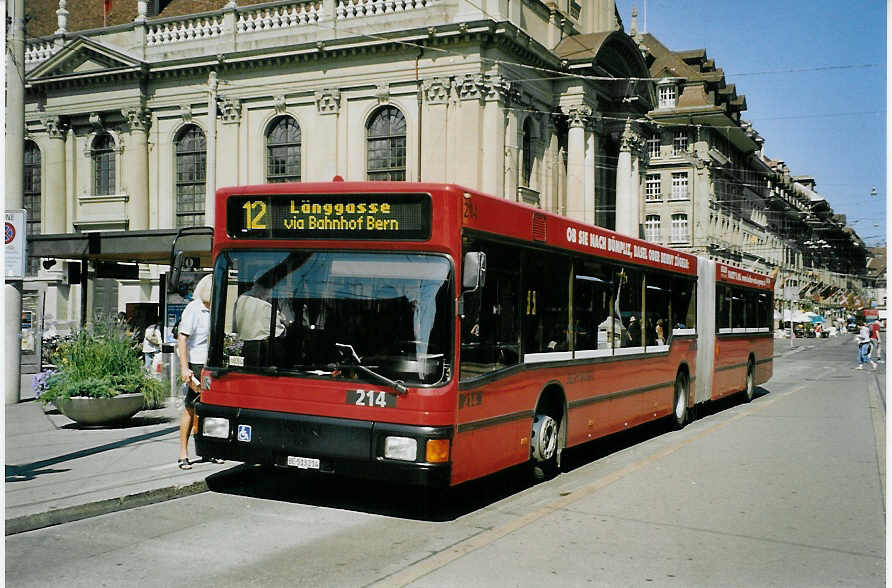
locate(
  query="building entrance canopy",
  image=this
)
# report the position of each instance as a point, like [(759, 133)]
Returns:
[(152, 247)]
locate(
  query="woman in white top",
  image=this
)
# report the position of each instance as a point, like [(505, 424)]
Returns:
[(192, 349)]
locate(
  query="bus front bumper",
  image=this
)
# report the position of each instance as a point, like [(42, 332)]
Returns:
[(346, 447)]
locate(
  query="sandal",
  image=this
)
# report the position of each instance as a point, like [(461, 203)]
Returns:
[(184, 464)]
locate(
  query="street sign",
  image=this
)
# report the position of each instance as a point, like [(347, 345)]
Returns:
[(14, 240)]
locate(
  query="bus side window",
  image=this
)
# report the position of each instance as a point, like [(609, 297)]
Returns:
[(629, 288), (591, 306), (656, 308), (684, 303), (546, 312), (490, 335)]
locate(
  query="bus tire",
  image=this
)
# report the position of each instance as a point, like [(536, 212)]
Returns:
[(544, 446), (750, 385), (680, 404)]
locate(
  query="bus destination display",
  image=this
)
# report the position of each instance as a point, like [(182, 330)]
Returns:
[(329, 216)]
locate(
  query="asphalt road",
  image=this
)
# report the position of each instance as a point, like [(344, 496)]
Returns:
[(785, 491)]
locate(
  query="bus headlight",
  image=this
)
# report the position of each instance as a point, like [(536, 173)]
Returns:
[(402, 448), (215, 427)]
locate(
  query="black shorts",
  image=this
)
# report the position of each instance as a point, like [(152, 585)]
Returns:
[(192, 395)]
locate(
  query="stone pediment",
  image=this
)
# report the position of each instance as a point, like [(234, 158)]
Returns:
[(84, 56)]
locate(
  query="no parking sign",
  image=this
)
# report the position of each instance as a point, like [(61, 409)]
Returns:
[(14, 244)]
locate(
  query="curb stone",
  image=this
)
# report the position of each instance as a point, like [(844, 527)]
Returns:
[(70, 514)]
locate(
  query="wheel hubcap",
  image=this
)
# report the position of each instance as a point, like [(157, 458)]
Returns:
[(544, 437), (679, 401)]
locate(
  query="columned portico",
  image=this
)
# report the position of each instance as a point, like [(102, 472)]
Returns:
[(469, 149), (55, 192), (496, 90), (580, 165), (136, 180), (627, 183), (231, 112)]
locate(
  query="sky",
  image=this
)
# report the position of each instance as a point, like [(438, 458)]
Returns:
[(814, 76)]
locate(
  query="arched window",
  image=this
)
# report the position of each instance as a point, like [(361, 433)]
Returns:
[(527, 146), (283, 151), (191, 154), (386, 133), (31, 197), (103, 156)]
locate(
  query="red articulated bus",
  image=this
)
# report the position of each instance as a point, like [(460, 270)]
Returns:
[(430, 334)]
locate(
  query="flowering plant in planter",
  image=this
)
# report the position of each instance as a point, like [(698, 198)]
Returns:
[(100, 361)]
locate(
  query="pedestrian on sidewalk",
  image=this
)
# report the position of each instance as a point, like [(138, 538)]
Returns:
[(875, 351), (864, 346), (151, 344), (192, 348)]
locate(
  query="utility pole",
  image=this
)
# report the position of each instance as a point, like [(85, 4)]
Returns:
[(15, 144)]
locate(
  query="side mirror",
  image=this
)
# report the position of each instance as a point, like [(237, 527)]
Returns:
[(474, 271), (176, 271)]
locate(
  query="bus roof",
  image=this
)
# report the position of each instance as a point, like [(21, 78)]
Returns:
[(496, 216)]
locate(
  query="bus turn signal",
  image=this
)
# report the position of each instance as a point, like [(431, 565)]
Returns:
[(437, 451)]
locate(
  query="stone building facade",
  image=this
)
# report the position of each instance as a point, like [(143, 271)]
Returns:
[(708, 188), (548, 103), (505, 97)]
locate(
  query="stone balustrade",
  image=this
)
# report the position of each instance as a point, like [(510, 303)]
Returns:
[(193, 29), (39, 51), (279, 17), (358, 8), (247, 20)]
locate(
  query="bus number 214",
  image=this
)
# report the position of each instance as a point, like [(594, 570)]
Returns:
[(371, 398)]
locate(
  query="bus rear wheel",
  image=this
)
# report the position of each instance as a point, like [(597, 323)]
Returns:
[(543, 446), (680, 414), (749, 387)]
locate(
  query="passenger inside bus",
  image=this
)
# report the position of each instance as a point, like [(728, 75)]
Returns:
[(253, 318)]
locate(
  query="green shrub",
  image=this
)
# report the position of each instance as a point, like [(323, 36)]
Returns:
[(101, 361)]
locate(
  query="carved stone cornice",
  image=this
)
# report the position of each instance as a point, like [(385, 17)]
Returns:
[(96, 122), (328, 101), (436, 90), (471, 87), (56, 127), (495, 87), (630, 140), (230, 109), (579, 115), (279, 104), (137, 117), (382, 92)]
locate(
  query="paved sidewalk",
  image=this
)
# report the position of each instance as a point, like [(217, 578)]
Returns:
[(58, 471)]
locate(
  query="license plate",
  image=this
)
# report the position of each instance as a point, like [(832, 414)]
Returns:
[(304, 463)]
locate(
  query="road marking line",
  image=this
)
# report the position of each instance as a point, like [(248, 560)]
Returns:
[(438, 560)]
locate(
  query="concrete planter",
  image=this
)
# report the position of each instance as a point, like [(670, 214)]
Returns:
[(101, 411)]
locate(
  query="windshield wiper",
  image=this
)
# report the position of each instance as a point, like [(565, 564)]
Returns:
[(348, 352)]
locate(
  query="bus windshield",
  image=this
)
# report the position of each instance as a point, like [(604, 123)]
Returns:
[(289, 311)]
